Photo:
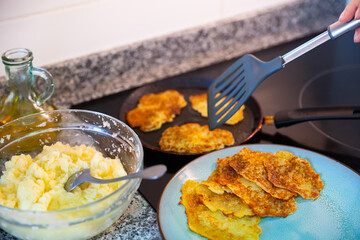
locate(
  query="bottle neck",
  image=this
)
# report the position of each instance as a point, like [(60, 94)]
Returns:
[(18, 67), (19, 77)]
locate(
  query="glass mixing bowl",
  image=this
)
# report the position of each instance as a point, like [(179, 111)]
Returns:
[(113, 138)]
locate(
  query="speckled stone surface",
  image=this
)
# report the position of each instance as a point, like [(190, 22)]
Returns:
[(138, 222), (97, 75)]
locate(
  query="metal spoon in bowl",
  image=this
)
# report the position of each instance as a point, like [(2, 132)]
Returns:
[(84, 175)]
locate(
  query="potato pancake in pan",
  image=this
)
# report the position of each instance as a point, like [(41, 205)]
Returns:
[(199, 103), (193, 138), (153, 110)]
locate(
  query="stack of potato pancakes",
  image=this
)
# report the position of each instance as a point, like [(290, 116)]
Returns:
[(245, 187)]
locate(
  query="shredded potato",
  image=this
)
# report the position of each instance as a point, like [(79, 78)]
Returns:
[(38, 184)]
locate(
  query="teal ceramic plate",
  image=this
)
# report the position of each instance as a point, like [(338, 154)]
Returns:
[(334, 215)]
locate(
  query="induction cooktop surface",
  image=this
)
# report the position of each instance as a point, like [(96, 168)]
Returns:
[(337, 86)]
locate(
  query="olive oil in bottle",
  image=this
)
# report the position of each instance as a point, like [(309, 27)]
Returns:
[(23, 99)]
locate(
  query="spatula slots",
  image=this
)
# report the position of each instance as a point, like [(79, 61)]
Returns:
[(235, 85)]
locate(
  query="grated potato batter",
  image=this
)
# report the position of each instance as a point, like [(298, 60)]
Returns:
[(38, 184)]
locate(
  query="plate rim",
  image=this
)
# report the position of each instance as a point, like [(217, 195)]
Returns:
[(239, 147)]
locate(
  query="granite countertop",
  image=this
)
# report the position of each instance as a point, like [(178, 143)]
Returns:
[(97, 75), (138, 222)]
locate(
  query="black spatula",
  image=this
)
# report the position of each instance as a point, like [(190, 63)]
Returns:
[(231, 89)]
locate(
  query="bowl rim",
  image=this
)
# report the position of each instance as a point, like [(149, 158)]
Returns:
[(127, 182)]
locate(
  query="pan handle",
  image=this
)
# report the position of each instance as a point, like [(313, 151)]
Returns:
[(291, 117)]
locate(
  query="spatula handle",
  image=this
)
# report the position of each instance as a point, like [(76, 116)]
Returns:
[(334, 31), (291, 117), (337, 29)]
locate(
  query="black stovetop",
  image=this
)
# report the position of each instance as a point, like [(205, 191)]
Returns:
[(327, 76)]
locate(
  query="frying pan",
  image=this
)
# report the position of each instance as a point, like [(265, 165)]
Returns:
[(242, 132)]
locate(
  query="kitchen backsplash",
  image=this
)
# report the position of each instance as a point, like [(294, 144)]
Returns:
[(110, 71)]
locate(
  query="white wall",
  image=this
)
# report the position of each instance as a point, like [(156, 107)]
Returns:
[(58, 30)]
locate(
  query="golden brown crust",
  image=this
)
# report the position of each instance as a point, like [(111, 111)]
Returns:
[(227, 203), (199, 103), (261, 202), (234, 190), (215, 186), (193, 138), (215, 224), (250, 165), (153, 110), (293, 173)]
